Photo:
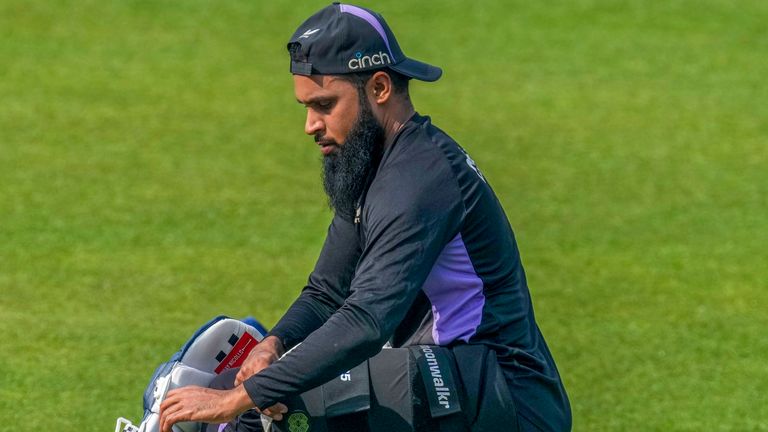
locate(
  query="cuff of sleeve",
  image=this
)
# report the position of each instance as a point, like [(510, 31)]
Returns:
[(257, 398)]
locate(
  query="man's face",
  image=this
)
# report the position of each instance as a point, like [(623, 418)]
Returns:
[(332, 108), (340, 118)]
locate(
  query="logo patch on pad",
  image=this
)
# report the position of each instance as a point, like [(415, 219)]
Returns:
[(298, 422), (240, 350)]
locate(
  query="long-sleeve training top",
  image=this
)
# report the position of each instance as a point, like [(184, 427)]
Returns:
[(429, 258)]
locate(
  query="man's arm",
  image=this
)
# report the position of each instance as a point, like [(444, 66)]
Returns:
[(324, 293), (327, 287), (408, 225)]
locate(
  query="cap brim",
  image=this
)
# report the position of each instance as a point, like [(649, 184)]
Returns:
[(419, 70)]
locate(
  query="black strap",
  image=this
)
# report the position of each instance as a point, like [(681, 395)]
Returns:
[(434, 363)]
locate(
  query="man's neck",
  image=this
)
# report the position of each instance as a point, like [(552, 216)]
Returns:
[(395, 118)]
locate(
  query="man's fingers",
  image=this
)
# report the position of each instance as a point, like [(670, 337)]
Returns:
[(170, 399), (180, 390), (276, 411), (277, 408), (172, 420), (168, 418), (273, 414), (170, 409)]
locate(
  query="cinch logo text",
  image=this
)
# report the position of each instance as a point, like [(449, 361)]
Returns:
[(360, 61)]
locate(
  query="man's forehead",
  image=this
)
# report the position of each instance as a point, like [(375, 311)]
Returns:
[(319, 85)]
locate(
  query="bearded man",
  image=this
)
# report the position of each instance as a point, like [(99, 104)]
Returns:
[(419, 251)]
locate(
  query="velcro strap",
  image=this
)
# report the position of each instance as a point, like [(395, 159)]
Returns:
[(436, 369), (301, 68)]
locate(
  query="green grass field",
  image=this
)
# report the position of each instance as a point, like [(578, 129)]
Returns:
[(154, 173)]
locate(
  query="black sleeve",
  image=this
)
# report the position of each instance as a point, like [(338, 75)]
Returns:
[(408, 225), (327, 287)]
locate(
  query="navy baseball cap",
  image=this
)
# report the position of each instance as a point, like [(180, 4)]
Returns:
[(341, 39)]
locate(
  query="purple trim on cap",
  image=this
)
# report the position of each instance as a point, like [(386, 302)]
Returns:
[(364, 14), (456, 294), (222, 427)]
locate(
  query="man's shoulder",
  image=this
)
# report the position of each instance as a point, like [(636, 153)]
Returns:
[(420, 150), (421, 135), (416, 170), (425, 156)]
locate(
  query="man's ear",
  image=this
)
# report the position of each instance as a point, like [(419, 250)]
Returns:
[(380, 88)]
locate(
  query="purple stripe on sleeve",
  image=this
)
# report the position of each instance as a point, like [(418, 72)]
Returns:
[(364, 14), (456, 294)]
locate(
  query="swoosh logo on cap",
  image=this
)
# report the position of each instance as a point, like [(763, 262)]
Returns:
[(309, 33)]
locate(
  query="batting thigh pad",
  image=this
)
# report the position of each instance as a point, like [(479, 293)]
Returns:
[(415, 389)]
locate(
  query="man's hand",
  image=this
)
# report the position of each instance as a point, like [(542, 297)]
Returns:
[(209, 406), (264, 354), (202, 405)]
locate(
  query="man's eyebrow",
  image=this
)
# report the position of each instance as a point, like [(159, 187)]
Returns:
[(315, 99)]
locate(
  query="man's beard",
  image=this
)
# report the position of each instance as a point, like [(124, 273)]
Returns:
[(346, 170)]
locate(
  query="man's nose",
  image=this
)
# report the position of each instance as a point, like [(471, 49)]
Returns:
[(314, 123)]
